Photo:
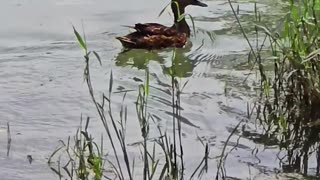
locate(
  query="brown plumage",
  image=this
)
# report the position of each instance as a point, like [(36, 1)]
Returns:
[(155, 29), (159, 41), (157, 36)]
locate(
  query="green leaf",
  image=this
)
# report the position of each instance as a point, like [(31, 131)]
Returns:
[(317, 5), (266, 87), (294, 13), (194, 27), (181, 17), (177, 4), (146, 86), (97, 56), (79, 38)]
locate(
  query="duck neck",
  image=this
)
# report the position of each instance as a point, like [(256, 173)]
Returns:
[(181, 25)]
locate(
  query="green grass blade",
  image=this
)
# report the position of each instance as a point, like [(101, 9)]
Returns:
[(181, 17), (79, 38), (162, 11), (146, 86), (177, 4), (110, 83), (97, 56), (193, 26)]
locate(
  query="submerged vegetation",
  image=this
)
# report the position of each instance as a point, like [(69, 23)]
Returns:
[(287, 108)]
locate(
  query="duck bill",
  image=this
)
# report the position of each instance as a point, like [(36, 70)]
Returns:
[(198, 3)]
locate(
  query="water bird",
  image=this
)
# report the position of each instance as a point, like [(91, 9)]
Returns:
[(157, 36)]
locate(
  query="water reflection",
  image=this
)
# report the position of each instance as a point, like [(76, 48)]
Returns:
[(181, 58), (139, 58)]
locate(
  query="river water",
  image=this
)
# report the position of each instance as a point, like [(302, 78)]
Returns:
[(43, 95)]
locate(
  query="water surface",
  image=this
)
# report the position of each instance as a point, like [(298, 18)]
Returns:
[(43, 94)]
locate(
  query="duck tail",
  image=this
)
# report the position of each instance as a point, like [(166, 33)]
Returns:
[(132, 27), (126, 42)]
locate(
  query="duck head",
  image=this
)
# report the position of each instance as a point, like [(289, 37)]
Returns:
[(195, 3), (184, 3), (178, 7)]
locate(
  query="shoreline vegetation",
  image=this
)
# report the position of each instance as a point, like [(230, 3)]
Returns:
[(286, 109)]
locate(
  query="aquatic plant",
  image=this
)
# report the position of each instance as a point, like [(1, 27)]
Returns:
[(86, 158), (289, 99)]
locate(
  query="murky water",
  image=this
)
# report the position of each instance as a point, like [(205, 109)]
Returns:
[(42, 94)]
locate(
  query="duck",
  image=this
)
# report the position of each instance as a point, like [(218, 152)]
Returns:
[(157, 36)]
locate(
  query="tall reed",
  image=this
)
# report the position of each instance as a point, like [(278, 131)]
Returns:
[(170, 144), (289, 100)]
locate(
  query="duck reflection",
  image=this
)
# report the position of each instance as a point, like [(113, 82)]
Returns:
[(138, 58)]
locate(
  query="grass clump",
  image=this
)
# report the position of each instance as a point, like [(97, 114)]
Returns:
[(289, 100), (82, 160)]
